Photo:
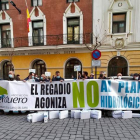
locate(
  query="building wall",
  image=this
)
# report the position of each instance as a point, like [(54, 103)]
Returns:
[(22, 64), (101, 14), (53, 10)]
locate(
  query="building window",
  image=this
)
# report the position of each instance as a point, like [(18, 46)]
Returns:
[(7, 66), (119, 23), (4, 5), (73, 30), (36, 2), (68, 1), (5, 36), (38, 38), (40, 67)]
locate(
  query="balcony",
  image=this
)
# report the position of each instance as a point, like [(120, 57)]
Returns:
[(49, 40), (6, 43)]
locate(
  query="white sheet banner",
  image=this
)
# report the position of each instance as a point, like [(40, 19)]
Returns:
[(68, 95)]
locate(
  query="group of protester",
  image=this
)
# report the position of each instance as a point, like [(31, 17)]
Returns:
[(85, 76), (33, 76), (135, 76), (57, 77)]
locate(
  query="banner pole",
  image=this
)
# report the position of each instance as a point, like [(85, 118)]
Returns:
[(95, 72), (26, 3)]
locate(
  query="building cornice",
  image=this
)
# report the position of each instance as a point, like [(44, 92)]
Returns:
[(62, 49)]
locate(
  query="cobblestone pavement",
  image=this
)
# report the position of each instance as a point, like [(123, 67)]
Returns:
[(15, 127)]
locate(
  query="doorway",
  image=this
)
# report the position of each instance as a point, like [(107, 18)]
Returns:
[(117, 65)]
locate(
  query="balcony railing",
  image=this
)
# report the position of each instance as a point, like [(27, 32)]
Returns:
[(48, 40), (6, 43)]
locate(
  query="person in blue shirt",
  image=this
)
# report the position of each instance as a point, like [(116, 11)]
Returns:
[(31, 76), (58, 77), (36, 77), (102, 76), (91, 76), (136, 77), (85, 75), (11, 76)]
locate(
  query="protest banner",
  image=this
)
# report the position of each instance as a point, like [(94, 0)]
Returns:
[(68, 95)]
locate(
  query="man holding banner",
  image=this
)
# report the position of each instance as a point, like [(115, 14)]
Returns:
[(58, 77), (85, 75), (44, 78)]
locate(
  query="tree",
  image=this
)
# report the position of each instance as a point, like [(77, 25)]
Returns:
[(94, 40)]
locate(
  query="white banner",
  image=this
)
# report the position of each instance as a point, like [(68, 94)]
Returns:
[(68, 95)]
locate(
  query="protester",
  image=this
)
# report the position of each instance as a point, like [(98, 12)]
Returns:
[(17, 77), (79, 76), (85, 75), (36, 77), (44, 78), (102, 76), (11, 76), (136, 77), (119, 76), (48, 78), (91, 76), (58, 77), (31, 76)]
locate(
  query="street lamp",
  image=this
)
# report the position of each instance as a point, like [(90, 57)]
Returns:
[(15, 6)]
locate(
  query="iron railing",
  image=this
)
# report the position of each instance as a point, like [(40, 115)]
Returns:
[(48, 40)]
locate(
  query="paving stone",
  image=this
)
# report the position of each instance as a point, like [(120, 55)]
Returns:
[(28, 138), (64, 138), (124, 138), (50, 137), (79, 139), (58, 135), (42, 138), (72, 133), (73, 136), (57, 139), (21, 138), (86, 137), (116, 138), (109, 138), (34, 139)]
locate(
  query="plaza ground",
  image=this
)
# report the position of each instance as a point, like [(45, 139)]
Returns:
[(16, 127)]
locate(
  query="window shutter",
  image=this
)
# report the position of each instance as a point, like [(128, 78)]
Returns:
[(0, 5), (31, 2)]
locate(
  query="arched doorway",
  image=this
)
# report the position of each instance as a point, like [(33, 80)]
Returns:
[(39, 66), (7, 66), (69, 68), (118, 65)]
